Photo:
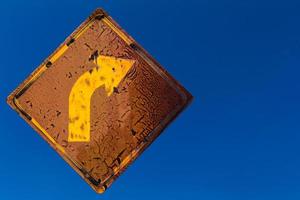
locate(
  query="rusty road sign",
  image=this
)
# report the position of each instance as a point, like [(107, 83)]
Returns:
[(99, 100)]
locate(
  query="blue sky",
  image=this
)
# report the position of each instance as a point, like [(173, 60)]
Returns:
[(239, 139)]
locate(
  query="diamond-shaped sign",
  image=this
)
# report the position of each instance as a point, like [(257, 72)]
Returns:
[(99, 100)]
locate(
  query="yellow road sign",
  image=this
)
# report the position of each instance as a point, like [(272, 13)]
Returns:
[(99, 100)]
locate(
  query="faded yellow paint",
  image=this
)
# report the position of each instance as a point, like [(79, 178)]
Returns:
[(108, 73), (85, 28), (57, 146), (58, 53), (118, 31)]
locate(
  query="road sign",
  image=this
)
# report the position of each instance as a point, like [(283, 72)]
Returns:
[(99, 100)]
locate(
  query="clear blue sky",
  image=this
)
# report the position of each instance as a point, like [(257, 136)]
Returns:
[(239, 140)]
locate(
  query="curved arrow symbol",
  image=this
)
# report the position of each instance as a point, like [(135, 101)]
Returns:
[(109, 72)]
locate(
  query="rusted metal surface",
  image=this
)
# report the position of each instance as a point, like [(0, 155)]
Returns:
[(124, 117)]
